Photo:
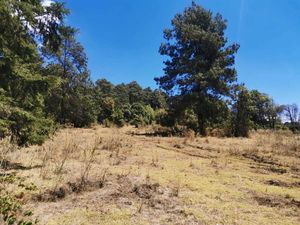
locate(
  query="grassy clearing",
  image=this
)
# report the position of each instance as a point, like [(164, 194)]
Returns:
[(120, 176)]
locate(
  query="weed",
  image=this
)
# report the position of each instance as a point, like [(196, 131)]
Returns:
[(6, 147), (11, 211), (189, 136), (47, 152), (154, 161), (103, 178), (9, 178), (68, 148), (89, 159), (29, 187)]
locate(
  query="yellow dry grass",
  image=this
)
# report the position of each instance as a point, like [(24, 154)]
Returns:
[(142, 179)]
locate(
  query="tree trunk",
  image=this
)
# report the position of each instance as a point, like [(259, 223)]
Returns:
[(201, 126)]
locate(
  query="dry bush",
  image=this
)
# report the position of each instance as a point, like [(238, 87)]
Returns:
[(88, 159), (47, 152), (176, 142), (261, 138), (119, 147), (71, 146), (233, 151), (113, 144), (217, 132), (68, 148), (189, 136), (176, 188), (6, 148), (281, 142), (155, 160), (103, 177), (290, 147), (56, 152)]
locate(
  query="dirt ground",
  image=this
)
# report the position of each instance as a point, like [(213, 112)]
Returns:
[(131, 176)]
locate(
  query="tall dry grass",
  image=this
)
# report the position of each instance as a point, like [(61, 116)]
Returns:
[(6, 149), (89, 155)]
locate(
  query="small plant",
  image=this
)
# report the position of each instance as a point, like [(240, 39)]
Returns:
[(9, 178), (176, 189), (28, 187), (103, 178), (155, 160), (11, 212)]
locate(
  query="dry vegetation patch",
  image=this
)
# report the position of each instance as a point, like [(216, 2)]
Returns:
[(126, 176)]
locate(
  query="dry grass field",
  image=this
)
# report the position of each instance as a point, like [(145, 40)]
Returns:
[(130, 176)]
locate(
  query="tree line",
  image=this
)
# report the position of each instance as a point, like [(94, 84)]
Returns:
[(45, 81)]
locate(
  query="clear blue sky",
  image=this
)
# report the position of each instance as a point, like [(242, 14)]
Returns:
[(122, 37)]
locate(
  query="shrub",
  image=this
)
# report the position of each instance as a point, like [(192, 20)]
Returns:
[(118, 117), (141, 114), (26, 128)]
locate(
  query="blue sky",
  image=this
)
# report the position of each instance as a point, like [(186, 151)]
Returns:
[(122, 37)]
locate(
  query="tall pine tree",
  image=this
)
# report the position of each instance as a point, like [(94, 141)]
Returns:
[(25, 26), (200, 62)]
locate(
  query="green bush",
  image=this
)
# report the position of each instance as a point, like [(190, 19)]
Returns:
[(118, 117), (141, 114), (27, 128)]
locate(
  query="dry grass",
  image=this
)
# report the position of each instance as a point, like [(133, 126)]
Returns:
[(120, 176), (6, 151)]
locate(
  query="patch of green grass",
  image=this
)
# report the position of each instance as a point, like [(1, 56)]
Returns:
[(11, 211), (8, 178)]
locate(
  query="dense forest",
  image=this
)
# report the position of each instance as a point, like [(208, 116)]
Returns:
[(45, 82)]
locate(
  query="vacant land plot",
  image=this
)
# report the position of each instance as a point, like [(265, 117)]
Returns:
[(131, 176)]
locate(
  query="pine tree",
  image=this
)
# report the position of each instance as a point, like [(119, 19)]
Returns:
[(200, 62), (72, 101), (24, 26)]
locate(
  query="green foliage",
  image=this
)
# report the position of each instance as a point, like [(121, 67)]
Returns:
[(189, 119), (72, 100), (127, 103), (11, 211), (135, 92), (80, 109), (165, 117), (118, 117), (23, 84), (141, 114), (242, 121), (45, 81), (106, 108), (199, 68), (148, 115), (27, 128), (264, 113), (4, 114)]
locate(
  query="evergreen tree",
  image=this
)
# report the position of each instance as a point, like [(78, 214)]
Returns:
[(200, 63), (24, 26), (242, 111), (264, 113), (72, 101)]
